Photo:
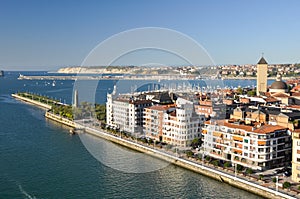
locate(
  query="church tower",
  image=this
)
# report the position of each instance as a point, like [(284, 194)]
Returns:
[(262, 73)]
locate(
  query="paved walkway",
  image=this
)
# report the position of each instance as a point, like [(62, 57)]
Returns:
[(266, 182)]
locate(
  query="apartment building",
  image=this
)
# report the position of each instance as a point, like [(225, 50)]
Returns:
[(261, 147), (181, 124), (296, 156), (126, 113), (154, 120)]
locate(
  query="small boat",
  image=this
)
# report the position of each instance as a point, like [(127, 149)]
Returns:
[(53, 83), (72, 131)]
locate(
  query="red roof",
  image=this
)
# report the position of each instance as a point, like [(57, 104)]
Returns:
[(264, 129), (161, 107)]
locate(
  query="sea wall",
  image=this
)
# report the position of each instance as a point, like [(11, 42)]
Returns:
[(202, 169), (60, 119), (34, 102)]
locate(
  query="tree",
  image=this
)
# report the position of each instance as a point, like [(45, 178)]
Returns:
[(150, 141), (274, 180), (227, 164), (261, 176), (207, 158), (251, 93), (100, 110), (215, 163), (239, 167), (286, 184), (249, 171), (189, 153), (239, 91), (196, 142)]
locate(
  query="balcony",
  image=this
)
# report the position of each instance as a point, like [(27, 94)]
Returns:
[(237, 138), (261, 143), (217, 134)]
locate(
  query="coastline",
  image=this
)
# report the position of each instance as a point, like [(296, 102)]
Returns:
[(203, 169)]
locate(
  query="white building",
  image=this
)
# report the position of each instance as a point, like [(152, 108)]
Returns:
[(181, 124), (126, 113)]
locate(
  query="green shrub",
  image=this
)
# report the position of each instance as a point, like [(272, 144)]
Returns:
[(249, 171), (189, 153), (207, 158), (261, 176), (215, 163), (227, 164), (286, 184), (274, 180), (239, 167)]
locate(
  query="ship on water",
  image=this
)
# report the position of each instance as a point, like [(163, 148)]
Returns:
[(1, 73)]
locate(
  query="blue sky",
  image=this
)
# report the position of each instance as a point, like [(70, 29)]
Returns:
[(47, 34)]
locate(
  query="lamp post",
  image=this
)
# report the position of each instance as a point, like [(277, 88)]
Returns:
[(203, 153), (276, 184), (235, 168), (136, 137)]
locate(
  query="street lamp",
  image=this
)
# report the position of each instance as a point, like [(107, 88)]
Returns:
[(235, 168), (276, 184)]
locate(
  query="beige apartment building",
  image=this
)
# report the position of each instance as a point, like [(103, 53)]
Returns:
[(260, 148)]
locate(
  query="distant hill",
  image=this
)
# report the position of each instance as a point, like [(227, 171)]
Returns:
[(165, 70)]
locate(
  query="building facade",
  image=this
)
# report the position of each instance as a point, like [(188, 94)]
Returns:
[(181, 124), (260, 148), (126, 113), (296, 156), (154, 121)]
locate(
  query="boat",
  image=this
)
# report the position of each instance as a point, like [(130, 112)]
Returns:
[(72, 131), (1, 73)]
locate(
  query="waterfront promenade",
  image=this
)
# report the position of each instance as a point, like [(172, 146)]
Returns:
[(223, 175)]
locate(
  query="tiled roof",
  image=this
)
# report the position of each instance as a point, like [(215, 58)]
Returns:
[(264, 129), (161, 107)]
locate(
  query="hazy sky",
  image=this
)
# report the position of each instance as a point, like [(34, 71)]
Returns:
[(47, 34)]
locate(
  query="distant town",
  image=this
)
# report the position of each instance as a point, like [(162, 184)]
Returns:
[(223, 71)]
